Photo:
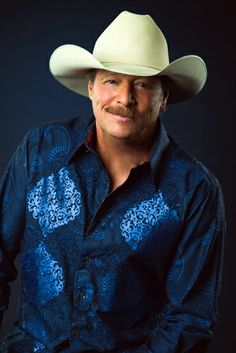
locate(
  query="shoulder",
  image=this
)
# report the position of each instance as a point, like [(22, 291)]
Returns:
[(185, 180), (59, 129), (190, 185), (50, 144)]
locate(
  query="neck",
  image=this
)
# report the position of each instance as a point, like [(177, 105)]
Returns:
[(120, 156)]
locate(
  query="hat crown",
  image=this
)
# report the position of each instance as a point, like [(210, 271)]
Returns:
[(133, 39)]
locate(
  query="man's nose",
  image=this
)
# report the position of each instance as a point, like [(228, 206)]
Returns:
[(126, 95)]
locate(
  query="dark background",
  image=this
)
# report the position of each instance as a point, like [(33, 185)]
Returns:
[(205, 125)]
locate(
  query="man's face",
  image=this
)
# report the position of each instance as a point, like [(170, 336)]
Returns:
[(125, 107)]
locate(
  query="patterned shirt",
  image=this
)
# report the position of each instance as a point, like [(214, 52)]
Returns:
[(137, 269)]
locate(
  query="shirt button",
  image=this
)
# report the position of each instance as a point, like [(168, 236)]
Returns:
[(82, 295)]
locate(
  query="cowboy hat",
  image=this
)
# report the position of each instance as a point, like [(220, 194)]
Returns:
[(132, 44)]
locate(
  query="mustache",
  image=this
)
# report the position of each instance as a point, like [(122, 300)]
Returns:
[(122, 111)]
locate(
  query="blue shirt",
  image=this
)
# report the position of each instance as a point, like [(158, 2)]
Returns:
[(134, 270)]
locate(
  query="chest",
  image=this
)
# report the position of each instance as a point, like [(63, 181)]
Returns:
[(72, 213)]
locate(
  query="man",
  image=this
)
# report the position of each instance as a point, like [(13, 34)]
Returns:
[(120, 230)]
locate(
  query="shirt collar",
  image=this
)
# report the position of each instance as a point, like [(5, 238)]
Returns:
[(80, 135), (161, 143)]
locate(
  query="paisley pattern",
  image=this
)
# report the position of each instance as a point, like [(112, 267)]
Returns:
[(37, 161), (43, 277), (177, 268), (57, 153), (105, 339), (140, 220), (84, 290), (54, 201), (61, 132), (98, 235), (176, 164), (38, 347)]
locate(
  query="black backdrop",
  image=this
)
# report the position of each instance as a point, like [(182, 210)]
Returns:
[(31, 30)]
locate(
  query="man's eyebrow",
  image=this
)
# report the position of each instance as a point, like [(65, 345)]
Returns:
[(106, 74), (148, 79)]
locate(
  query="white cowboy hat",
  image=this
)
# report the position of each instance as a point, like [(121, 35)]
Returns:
[(132, 44)]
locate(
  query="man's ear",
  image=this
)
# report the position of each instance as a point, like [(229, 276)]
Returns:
[(165, 94), (164, 100), (90, 89)]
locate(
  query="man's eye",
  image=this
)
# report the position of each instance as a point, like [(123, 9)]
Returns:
[(142, 85), (111, 82)]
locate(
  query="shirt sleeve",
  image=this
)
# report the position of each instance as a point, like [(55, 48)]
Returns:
[(194, 279), (12, 215)]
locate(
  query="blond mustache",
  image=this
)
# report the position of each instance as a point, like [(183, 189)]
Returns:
[(127, 112)]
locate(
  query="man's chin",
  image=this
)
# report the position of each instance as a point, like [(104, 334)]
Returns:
[(124, 136)]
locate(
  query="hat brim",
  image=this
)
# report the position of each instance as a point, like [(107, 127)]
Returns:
[(70, 64)]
